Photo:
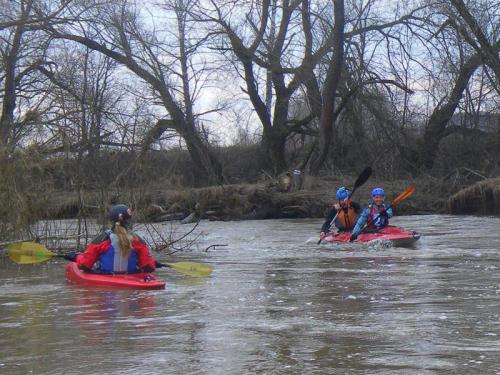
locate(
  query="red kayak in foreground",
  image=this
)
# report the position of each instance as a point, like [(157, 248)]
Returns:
[(141, 280), (398, 236)]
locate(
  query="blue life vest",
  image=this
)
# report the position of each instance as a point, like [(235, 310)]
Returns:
[(113, 261), (375, 220)]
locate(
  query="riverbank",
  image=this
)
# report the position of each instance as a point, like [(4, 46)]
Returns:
[(271, 199)]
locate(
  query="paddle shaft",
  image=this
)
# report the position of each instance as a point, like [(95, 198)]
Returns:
[(161, 265), (401, 197), (32, 253)]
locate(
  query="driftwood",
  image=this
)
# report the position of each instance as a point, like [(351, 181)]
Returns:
[(168, 217), (191, 218)]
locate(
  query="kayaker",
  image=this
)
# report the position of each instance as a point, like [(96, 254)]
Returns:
[(375, 216), (343, 214), (117, 249)]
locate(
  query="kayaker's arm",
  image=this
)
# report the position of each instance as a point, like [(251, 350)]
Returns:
[(93, 252), (145, 261), (326, 225), (389, 212), (357, 207), (363, 218), (70, 257)]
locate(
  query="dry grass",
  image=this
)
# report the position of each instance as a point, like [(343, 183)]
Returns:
[(250, 201), (481, 198), (261, 201)]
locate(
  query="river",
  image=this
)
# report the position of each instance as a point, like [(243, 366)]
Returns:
[(276, 303)]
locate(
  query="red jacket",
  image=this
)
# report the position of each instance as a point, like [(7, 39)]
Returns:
[(103, 243)]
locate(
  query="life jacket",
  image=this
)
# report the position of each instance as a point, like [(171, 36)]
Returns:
[(347, 218), (113, 261), (375, 220)]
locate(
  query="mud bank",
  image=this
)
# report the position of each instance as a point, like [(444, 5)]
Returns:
[(269, 200)]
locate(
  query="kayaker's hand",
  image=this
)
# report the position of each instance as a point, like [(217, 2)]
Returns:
[(353, 237), (71, 257), (84, 268), (158, 264), (336, 206), (147, 268), (322, 235)]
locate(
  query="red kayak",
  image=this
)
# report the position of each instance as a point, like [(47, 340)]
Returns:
[(141, 280), (398, 236)]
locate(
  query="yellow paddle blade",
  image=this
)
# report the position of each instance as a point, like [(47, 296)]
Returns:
[(191, 268), (405, 194), (28, 252)]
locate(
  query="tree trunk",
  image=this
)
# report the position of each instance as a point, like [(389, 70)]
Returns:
[(207, 167), (274, 144), (436, 127), (331, 85), (9, 101), (9, 97)]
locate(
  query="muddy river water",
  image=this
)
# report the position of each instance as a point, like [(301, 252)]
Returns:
[(276, 303)]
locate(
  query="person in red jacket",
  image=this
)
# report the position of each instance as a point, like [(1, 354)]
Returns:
[(117, 250)]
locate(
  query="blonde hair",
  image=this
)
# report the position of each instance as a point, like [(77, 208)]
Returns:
[(124, 239)]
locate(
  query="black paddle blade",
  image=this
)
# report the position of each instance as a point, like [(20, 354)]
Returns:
[(362, 178)]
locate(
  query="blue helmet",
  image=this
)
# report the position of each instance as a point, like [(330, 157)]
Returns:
[(120, 213), (378, 191), (342, 193)]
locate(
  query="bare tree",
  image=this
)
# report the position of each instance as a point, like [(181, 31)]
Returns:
[(85, 95), (306, 50), (477, 52), (12, 55), (331, 84), (274, 132), (23, 47), (120, 35), (477, 37)]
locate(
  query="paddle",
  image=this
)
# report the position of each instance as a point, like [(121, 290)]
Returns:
[(362, 178), (32, 252), (401, 197)]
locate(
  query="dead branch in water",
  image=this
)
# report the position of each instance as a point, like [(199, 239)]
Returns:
[(167, 242), (214, 246)]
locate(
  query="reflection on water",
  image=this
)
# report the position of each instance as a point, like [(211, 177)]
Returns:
[(276, 303), (110, 305)]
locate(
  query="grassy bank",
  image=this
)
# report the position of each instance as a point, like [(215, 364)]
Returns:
[(253, 201), (481, 198)]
